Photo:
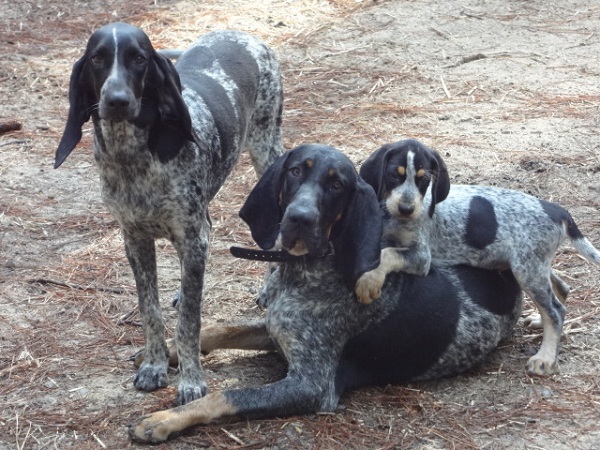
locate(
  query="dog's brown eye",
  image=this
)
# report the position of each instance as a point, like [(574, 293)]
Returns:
[(97, 59), (337, 186), (139, 59), (295, 171)]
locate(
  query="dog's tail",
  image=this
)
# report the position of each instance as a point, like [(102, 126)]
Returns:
[(171, 53), (581, 244)]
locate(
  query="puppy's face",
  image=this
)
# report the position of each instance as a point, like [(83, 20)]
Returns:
[(315, 191), (117, 58), (406, 178)]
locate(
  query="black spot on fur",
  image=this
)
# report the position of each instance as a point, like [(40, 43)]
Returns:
[(482, 224), (494, 293), (559, 215), (379, 355)]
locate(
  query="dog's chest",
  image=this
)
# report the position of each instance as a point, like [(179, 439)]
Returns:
[(145, 194), (402, 233), (312, 293)]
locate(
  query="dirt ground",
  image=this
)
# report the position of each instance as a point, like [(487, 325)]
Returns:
[(508, 91)]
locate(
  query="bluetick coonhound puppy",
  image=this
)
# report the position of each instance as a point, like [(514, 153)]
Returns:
[(166, 137), (484, 227), (312, 203)]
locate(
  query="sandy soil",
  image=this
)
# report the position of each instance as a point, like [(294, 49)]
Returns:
[(508, 91)]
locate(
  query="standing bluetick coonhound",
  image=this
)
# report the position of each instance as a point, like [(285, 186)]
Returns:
[(312, 203), (166, 137), (485, 227)]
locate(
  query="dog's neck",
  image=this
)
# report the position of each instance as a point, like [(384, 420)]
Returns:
[(120, 143), (404, 232)]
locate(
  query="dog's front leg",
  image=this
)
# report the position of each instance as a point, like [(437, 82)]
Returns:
[(415, 260), (290, 396), (141, 253), (368, 286), (193, 262)]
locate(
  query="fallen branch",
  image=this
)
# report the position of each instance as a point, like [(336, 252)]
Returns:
[(79, 287), (468, 59)]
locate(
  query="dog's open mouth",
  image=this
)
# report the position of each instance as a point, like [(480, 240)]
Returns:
[(297, 247)]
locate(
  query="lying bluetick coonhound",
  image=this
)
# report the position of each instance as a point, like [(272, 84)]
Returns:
[(311, 202), (485, 227), (166, 137)]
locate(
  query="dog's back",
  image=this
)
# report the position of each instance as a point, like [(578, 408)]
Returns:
[(232, 88), (501, 229)]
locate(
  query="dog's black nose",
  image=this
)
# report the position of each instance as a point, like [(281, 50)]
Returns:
[(118, 100), (302, 218), (405, 210)]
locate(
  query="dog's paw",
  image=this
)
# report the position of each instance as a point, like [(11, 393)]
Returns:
[(150, 377), (368, 287), (533, 321), (152, 429), (540, 366), (191, 385), (189, 391)]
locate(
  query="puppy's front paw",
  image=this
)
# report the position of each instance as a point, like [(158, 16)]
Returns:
[(368, 287)]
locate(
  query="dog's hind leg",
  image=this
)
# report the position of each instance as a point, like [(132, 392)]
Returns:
[(141, 253), (536, 283), (561, 290), (243, 336), (264, 140)]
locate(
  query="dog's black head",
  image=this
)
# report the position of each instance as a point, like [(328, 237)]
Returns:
[(121, 77), (401, 173), (311, 196)]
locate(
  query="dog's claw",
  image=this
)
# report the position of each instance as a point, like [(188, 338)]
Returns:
[(187, 392)]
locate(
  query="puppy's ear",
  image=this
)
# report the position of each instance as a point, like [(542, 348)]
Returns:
[(373, 169), (173, 125), (80, 107), (441, 180), (356, 237), (262, 209)]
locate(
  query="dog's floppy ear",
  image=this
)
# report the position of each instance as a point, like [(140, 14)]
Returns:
[(262, 209), (373, 169), (441, 180), (356, 237), (173, 125), (80, 106)]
